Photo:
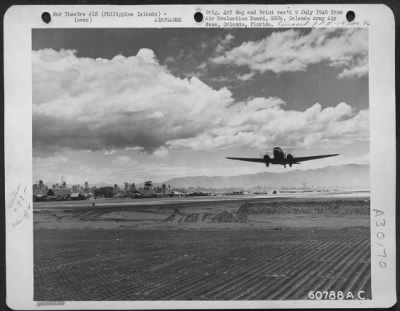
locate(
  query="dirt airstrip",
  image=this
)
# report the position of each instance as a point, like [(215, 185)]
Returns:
[(243, 249)]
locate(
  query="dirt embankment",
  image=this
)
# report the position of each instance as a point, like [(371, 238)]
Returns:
[(205, 217), (268, 214), (328, 207)]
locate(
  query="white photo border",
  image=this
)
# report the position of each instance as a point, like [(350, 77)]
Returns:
[(18, 24)]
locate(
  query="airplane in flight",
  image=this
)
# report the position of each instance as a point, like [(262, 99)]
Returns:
[(281, 158)]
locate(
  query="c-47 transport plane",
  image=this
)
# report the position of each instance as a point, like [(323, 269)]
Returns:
[(282, 159)]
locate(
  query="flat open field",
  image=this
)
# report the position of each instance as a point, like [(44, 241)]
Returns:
[(246, 249)]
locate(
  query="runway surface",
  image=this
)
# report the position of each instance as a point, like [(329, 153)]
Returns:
[(200, 199), (198, 249)]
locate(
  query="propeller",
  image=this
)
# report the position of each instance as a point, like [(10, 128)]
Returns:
[(267, 159)]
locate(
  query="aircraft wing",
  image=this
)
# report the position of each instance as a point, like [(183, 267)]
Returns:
[(260, 160), (302, 159)]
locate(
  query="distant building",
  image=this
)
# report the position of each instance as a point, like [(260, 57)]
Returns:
[(148, 190), (76, 188), (148, 185), (39, 194), (60, 193), (77, 196), (39, 191), (39, 186), (86, 187), (126, 187), (177, 193)]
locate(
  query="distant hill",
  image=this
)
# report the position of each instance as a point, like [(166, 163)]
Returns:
[(346, 176), (102, 184)]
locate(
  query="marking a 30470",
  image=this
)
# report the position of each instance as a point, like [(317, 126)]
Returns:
[(380, 225)]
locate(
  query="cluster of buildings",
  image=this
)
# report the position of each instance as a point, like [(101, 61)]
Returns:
[(62, 191), (42, 192), (148, 190)]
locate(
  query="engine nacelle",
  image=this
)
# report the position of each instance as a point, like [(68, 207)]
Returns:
[(290, 159), (267, 160)]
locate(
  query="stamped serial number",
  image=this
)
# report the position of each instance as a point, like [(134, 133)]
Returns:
[(336, 295)]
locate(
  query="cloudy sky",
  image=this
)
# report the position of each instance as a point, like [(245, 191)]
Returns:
[(115, 105)]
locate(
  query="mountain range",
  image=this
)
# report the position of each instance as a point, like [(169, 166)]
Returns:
[(342, 176)]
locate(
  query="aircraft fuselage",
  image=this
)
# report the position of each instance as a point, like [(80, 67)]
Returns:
[(279, 155)]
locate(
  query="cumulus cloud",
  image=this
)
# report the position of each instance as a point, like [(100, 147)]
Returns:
[(136, 103), (224, 43), (292, 50), (101, 104), (161, 152), (246, 76), (357, 69), (123, 160), (262, 123)]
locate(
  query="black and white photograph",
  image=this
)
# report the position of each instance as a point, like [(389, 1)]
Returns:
[(200, 164)]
